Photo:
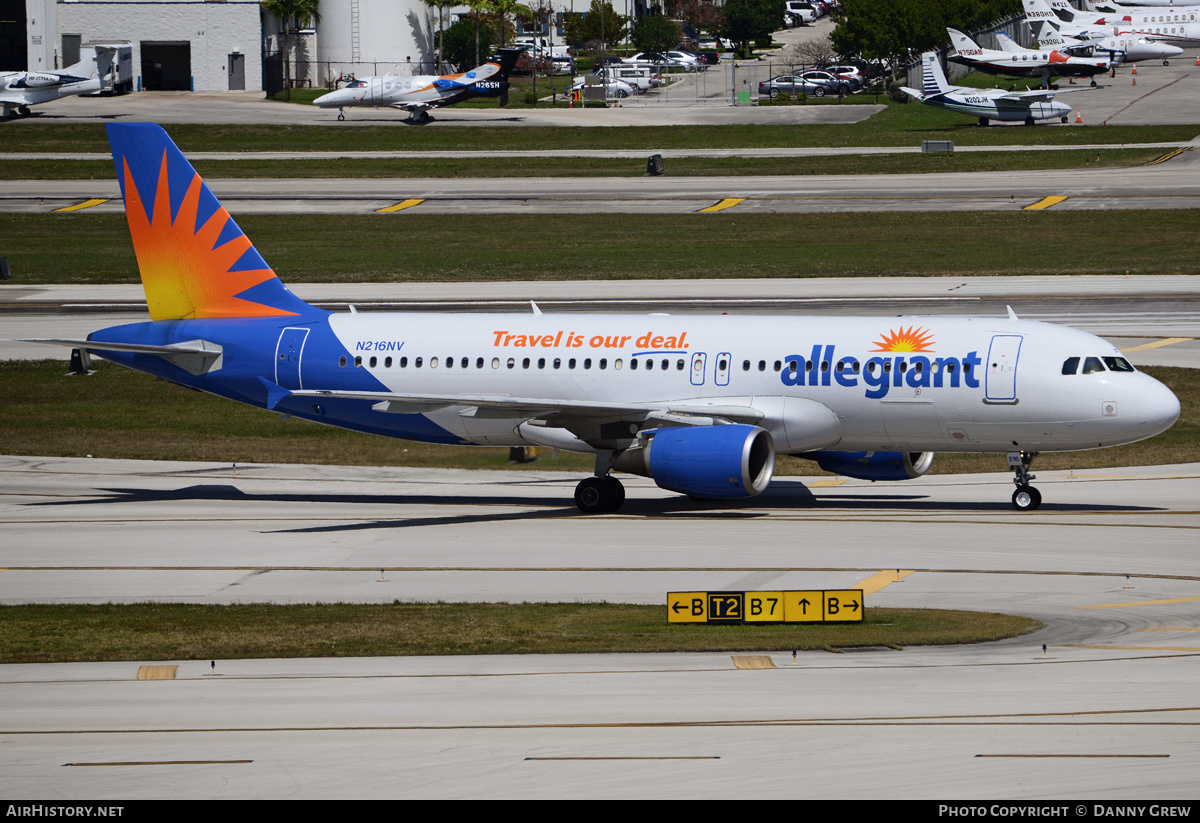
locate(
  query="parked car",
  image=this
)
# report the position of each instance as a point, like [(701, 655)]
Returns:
[(688, 61), (850, 72), (562, 65), (807, 11), (642, 78), (788, 84), (612, 88), (831, 83)]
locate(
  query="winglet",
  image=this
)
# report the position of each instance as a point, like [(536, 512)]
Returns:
[(1012, 315)]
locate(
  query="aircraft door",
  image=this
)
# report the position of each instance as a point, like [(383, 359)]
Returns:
[(287, 358), (698, 368), (376, 90), (1000, 382), (721, 369)]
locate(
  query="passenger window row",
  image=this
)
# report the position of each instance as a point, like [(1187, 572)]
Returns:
[(647, 364)]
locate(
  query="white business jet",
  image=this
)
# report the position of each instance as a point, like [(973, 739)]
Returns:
[(1071, 38), (418, 94)]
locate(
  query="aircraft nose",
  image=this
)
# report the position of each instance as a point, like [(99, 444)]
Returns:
[(327, 99), (1158, 407)]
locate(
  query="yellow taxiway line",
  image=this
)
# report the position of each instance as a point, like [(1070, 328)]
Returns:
[(885, 578), (1045, 203), (1158, 344), (727, 203), (404, 204), (86, 204), (1143, 603)]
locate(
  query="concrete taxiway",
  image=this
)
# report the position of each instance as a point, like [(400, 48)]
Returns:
[(1108, 710)]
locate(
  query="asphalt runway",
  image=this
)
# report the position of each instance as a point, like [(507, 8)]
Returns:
[(1108, 711)]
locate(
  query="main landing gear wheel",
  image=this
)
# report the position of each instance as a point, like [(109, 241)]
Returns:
[(596, 495), (1026, 498)]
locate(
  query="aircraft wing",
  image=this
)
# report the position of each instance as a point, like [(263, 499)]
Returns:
[(1041, 95), (500, 406)]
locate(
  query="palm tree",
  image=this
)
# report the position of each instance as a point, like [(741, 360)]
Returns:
[(477, 8), (504, 8), (289, 11), (441, 6)]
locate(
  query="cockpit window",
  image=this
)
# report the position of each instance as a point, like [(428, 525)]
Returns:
[(1070, 365), (1118, 364), (1092, 365), (356, 84)]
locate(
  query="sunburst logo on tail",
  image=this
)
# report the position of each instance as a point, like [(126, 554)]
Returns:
[(194, 260), (912, 339)]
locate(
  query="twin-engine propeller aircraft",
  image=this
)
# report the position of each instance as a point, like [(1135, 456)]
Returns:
[(700, 404), (418, 94), (986, 104), (1019, 62)]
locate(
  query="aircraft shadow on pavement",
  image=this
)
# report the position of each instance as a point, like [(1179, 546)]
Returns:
[(783, 496)]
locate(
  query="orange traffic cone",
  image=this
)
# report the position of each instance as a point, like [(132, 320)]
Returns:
[(1135, 69), (1198, 59), (1078, 117)]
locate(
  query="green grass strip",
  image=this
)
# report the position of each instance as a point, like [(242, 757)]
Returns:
[(155, 631), (308, 248)]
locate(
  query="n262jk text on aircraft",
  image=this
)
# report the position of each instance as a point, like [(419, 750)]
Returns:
[(418, 94), (987, 104), (701, 404)]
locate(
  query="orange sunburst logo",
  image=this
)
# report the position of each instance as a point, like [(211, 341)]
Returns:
[(185, 274), (912, 339)]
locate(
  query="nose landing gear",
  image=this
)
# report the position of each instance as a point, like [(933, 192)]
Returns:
[(1026, 497), (341, 114)]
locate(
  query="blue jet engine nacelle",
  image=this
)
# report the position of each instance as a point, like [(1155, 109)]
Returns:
[(874, 465), (712, 462)]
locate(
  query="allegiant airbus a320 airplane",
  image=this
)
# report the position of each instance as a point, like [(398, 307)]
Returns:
[(700, 404)]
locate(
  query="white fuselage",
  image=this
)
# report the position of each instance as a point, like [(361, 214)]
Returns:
[(909, 384)]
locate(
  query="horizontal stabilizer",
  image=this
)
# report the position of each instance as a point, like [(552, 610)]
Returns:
[(193, 356)]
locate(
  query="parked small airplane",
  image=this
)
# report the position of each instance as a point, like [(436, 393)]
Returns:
[(986, 104), (1176, 25), (20, 90), (1014, 60), (1071, 38), (418, 94), (701, 404)]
